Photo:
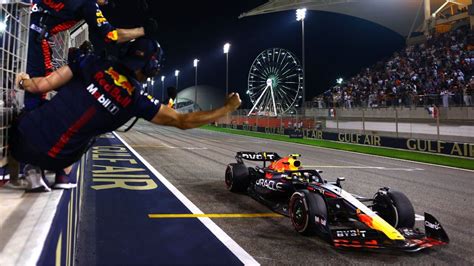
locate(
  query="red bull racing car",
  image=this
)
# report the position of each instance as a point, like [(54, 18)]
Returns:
[(318, 207)]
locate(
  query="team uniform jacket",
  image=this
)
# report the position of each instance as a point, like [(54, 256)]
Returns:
[(50, 17), (101, 97), (63, 14)]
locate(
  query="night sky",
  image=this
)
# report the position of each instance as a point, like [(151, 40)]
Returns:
[(336, 45)]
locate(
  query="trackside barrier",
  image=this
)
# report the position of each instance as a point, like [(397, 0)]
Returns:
[(460, 149), (454, 124)]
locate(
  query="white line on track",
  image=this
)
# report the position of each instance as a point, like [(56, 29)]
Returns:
[(237, 250), (364, 167), (169, 147)]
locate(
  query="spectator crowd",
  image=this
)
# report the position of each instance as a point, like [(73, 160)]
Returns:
[(436, 72)]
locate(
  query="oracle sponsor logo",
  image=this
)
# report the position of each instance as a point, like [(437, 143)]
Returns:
[(270, 184)]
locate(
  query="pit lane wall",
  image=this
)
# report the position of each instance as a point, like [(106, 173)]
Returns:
[(460, 149)]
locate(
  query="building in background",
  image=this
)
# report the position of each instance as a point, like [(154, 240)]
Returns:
[(207, 98)]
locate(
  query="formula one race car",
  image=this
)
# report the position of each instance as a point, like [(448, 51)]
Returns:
[(316, 206)]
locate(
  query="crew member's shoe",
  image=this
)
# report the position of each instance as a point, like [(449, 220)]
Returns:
[(63, 181), (34, 176)]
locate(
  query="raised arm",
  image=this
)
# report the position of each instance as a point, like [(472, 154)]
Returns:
[(125, 35), (44, 84), (169, 117), (96, 20)]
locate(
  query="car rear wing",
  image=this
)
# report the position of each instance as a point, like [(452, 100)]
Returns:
[(257, 156)]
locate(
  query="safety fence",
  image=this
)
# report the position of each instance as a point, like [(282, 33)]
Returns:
[(453, 148), (444, 124), (14, 28), (14, 24)]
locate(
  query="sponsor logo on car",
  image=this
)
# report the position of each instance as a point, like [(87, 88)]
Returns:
[(435, 226), (270, 184), (351, 233), (320, 220), (258, 156)]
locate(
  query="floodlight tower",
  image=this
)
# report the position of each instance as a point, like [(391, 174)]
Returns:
[(162, 89), (176, 74), (226, 52), (300, 16), (196, 61)]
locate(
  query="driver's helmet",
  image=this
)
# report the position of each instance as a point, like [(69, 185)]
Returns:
[(288, 163)]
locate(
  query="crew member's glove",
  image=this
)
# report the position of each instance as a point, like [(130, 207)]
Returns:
[(151, 28)]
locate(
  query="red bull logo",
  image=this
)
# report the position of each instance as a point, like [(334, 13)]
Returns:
[(120, 80)]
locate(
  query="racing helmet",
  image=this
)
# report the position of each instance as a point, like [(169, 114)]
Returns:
[(143, 54)]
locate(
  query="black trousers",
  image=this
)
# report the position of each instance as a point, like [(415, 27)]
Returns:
[(24, 151)]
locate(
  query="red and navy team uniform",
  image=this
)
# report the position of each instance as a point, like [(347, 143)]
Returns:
[(101, 97), (50, 17)]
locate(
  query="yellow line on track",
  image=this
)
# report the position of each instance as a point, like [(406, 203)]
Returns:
[(215, 215)]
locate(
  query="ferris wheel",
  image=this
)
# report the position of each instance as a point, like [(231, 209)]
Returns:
[(275, 82)]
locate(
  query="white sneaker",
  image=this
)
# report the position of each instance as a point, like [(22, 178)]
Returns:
[(35, 178)]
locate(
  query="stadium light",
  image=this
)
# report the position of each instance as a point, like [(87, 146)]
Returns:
[(3, 24), (176, 74), (162, 89), (196, 61), (3, 27), (226, 48), (339, 81), (300, 14), (226, 52)]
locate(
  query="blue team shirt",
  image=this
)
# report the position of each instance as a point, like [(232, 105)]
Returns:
[(100, 98), (63, 14)]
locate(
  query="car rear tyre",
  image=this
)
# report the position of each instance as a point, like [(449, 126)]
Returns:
[(237, 177), (395, 208), (308, 213)]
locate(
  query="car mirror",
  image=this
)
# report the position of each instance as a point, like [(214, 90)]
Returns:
[(339, 180)]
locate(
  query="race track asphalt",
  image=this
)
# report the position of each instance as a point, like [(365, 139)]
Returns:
[(194, 161)]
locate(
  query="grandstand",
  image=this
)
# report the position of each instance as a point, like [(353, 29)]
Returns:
[(435, 68), (430, 76), (436, 72)]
